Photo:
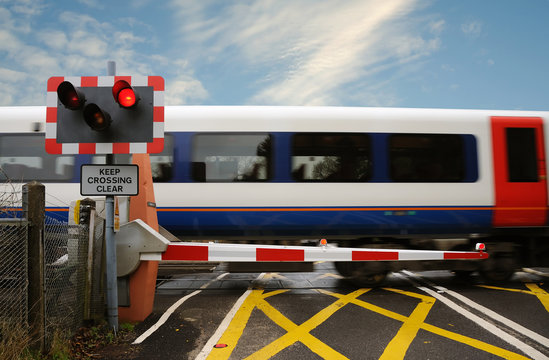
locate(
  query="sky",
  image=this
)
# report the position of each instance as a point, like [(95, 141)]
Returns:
[(466, 54)]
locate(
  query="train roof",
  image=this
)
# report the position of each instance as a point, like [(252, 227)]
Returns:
[(283, 118)]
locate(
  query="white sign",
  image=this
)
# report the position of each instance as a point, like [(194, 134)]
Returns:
[(101, 180)]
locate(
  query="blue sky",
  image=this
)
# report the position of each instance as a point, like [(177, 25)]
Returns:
[(487, 54)]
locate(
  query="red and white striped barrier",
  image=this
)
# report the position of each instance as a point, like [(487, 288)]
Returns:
[(217, 252)]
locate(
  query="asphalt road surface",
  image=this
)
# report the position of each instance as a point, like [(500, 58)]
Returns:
[(318, 315)]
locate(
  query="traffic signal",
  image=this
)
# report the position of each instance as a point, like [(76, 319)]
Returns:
[(96, 118), (69, 96), (124, 94), (105, 115)]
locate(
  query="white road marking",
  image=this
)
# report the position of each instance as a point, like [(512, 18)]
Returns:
[(528, 350), (536, 272), (208, 347), (486, 311), (171, 310)]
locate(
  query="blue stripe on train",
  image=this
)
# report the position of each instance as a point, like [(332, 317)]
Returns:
[(324, 222)]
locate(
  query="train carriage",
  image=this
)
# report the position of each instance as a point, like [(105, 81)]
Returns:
[(413, 178)]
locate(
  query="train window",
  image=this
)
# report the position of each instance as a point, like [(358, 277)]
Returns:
[(521, 154), (161, 164), (427, 158), (231, 157), (329, 157), (24, 158)]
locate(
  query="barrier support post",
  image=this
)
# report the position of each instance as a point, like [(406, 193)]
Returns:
[(142, 283)]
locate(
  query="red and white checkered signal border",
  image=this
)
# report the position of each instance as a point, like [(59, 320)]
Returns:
[(219, 252), (156, 146)]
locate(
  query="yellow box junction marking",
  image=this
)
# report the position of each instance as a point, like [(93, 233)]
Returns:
[(396, 349), (403, 339), (535, 290), (434, 329)]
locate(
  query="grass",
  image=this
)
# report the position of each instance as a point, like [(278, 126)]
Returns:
[(14, 341), (84, 345)]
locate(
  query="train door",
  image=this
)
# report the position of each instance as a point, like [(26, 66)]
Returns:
[(519, 171)]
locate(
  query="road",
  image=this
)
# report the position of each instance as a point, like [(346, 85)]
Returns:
[(318, 315)]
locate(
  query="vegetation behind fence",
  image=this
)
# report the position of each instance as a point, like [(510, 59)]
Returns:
[(53, 294)]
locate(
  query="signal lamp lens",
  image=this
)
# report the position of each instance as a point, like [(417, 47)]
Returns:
[(126, 97), (124, 94), (70, 97), (96, 118)]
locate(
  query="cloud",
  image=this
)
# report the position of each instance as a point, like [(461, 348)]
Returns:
[(305, 52), (28, 8), (472, 29), (11, 75), (68, 43), (54, 39), (310, 49), (184, 90), (92, 4), (437, 27)]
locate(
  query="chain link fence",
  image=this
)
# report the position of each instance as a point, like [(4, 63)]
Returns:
[(71, 271), (65, 255), (13, 272)]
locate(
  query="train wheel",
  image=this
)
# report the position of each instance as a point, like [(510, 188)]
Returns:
[(498, 268), (344, 268), (367, 279), (368, 273)]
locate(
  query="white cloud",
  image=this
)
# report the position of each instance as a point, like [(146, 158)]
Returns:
[(88, 44), (92, 4), (28, 8), (184, 90), (54, 39), (437, 27), (11, 75), (472, 29), (311, 49), (77, 44)]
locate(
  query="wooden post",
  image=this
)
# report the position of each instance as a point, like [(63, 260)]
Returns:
[(87, 217), (34, 211)]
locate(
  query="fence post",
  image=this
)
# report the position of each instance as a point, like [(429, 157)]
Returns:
[(34, 211), (87, 217)]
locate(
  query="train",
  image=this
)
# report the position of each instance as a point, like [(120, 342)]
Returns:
[(359, 177)]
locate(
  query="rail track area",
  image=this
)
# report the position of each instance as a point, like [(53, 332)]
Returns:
[(317, 315)]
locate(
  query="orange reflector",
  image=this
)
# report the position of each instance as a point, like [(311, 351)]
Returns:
[(323, 242)]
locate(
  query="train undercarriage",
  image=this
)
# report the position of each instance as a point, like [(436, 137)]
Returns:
[(508, 253)]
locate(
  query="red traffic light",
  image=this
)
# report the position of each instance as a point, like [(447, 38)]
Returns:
[(124, 94), (70, 97), (96, 118)]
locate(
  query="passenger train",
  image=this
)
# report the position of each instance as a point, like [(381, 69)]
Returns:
[(368, 177)]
